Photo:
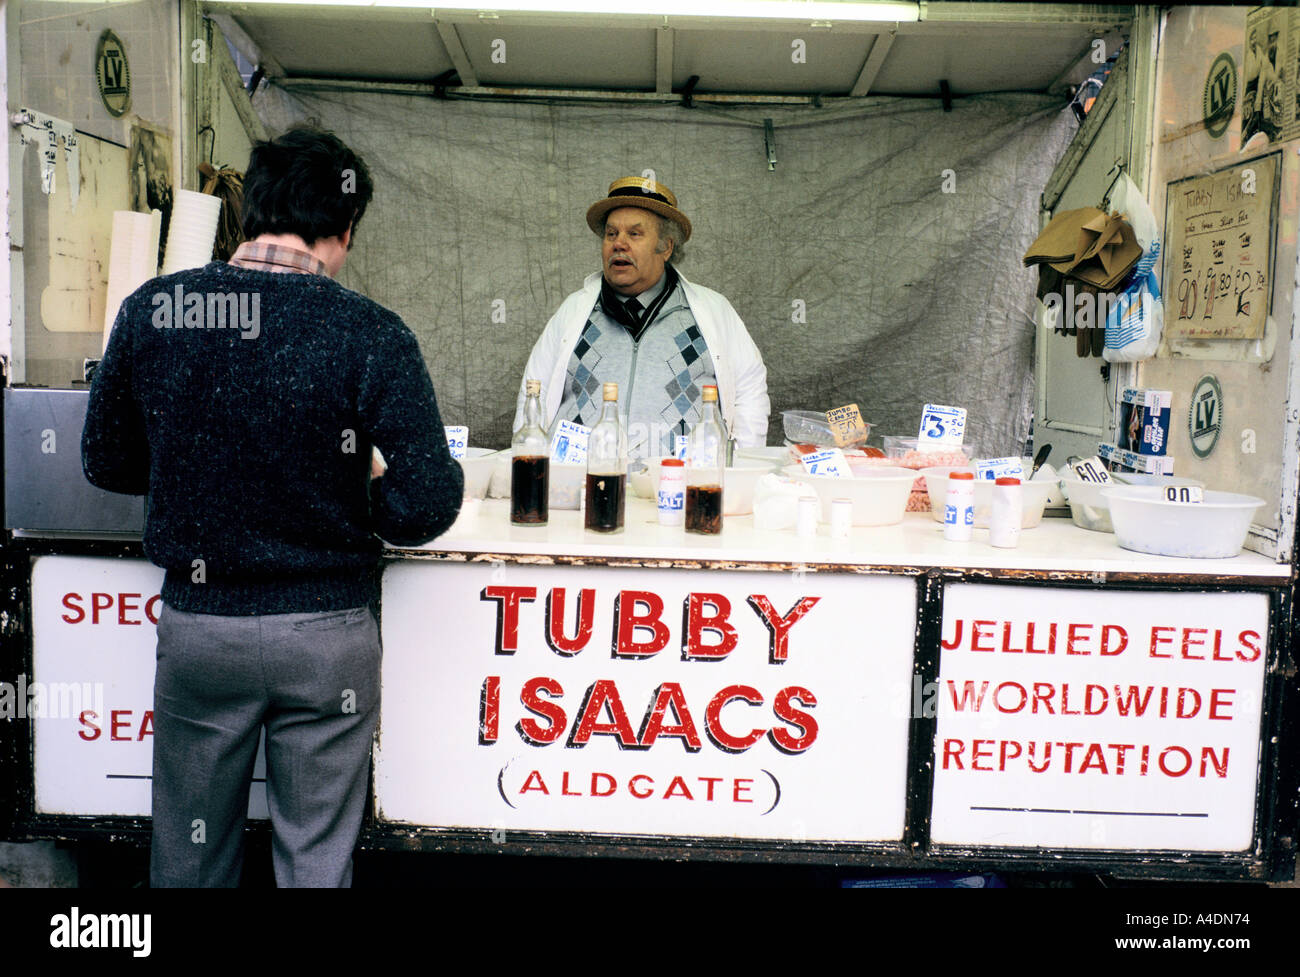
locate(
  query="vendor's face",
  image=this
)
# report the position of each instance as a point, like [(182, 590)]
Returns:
[(629, 253)]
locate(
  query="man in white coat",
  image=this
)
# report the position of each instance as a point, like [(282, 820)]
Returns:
[(641, 324)]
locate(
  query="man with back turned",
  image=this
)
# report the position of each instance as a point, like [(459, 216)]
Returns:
[(254, 447)]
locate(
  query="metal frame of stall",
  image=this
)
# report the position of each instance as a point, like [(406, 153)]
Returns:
[(1272, 856)]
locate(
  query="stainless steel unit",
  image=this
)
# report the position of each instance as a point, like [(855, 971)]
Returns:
[(45, 491)]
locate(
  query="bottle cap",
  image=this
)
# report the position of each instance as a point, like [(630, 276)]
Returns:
[(710, 395), (611, 391), (532, 387), (1007, 480), (962, 475), (673, 461)]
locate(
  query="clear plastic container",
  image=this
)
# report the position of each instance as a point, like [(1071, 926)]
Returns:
[(811, 427)]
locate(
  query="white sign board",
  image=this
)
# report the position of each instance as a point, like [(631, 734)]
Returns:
[(645, 702), (94, 649), (1079, 719)]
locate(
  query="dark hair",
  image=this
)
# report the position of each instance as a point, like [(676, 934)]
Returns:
[(304, 182)]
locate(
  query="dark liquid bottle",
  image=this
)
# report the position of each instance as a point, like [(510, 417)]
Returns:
[(530, 472), (704, 509), (529, 490), (605, 495), (606, 468)]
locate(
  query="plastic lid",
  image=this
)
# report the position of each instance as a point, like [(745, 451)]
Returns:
[(962, 475), (1007, 480), (673, 461)]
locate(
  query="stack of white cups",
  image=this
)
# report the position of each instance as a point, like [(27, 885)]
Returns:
[(192, 231)]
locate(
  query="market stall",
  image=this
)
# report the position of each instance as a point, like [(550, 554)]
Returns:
[(884, 696)]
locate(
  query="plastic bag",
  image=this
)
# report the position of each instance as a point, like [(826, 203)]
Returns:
[(1136, 318), (776, 501)]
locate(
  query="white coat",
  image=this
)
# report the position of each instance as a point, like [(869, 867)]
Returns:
[(738, 365)]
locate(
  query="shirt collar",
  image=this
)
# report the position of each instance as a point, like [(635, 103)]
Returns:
[(277, 257)]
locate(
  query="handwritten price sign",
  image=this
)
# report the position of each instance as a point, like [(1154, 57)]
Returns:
[(457, 440), (830, 463), (941, 428)]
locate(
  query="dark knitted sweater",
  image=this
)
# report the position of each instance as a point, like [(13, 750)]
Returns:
[(253, 440)]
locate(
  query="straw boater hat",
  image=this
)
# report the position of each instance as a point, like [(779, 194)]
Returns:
[(637, 191)]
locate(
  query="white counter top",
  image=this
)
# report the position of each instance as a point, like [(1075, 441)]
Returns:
[(1055, 546)]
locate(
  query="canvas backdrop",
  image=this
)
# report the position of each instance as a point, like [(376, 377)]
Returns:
[(893, 228)]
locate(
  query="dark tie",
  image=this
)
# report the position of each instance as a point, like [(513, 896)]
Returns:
[(634, 309)]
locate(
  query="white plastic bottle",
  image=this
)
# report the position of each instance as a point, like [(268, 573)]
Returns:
[(959, 508), (1008, 509)]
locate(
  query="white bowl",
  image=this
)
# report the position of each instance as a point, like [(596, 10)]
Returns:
[(1090, 510), (1034, 495), (478, 464), (567, 482), (879, 495), (776, 455), (737, 489), (1214, 529)]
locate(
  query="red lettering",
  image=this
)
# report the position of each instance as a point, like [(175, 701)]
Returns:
[(146, 725), (631, 786), (1220, 768), (1105, 639), (977, 632), (610, 783), (674, 791), (779, 627), (627, 621), (529, 783), (1072, 640), (1003, 756), (1157, 639), (1088, 709), (555, 637), (96, 605), (87, 719), (123, 607), (669, 694), (1196, 706), (1220, 698), (967, 693), (564, 787), (489, 710), (710, 781), (1024, 697), (800, 720), (1138, 706), (115, 724), (976, 754), (508, 600), (149, 606), (1187, 643), (1241, 639), (602, 694), (1006, 641), (736, 789), (68, 602), (695, 622), (529, 729), (713, 719), (1187, 761), (1040, 696), (956, 637), (953, 754)]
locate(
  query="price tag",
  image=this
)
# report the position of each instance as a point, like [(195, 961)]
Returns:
[(941, 427), (1184, 493), (569, 445), (830, 463), (846, 424), (1091, 470), (994, 468), (457, 440), (679, 447)]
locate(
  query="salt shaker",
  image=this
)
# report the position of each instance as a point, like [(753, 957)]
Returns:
[(959, 509), (672, 492)]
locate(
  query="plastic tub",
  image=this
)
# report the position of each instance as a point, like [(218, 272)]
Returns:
[(477, 465), (1146, 522), (902, 451), (737, 489), (567, 482), (1034, 495), (1089, 510), (811, 427), (879, 496)]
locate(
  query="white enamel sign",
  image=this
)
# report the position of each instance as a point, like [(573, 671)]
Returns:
[(1081, 719), (645, 702), (93, 653)]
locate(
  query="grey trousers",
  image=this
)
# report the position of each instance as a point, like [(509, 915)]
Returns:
[(313, 681)]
